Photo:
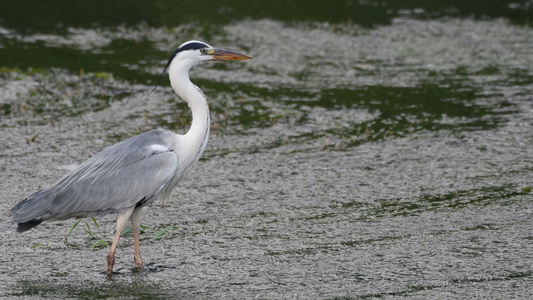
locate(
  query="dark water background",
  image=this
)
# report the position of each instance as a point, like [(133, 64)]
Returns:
[(371, 149)]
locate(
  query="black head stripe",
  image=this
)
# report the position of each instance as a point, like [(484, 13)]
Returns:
[(188, 46), (191, 46)]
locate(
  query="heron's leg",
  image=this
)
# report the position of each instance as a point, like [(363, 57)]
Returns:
[(122, 218), (136, 224)]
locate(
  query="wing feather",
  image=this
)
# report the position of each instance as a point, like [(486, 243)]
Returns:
[(115, 178), (104, 188)]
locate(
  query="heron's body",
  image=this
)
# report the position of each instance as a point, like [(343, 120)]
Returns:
[(131, 174)]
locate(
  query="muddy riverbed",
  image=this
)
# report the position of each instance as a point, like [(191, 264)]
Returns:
[(348, 160)]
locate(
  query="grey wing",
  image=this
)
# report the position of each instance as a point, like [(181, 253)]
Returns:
[(118, 177)]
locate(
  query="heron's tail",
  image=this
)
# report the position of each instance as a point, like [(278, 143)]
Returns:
[(22, 227), (32, 211)]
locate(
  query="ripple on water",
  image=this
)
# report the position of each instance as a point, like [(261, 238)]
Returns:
[(344, 162)]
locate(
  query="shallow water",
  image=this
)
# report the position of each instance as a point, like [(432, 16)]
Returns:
[(389, 157)]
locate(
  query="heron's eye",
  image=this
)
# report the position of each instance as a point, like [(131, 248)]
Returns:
[(203, 51)]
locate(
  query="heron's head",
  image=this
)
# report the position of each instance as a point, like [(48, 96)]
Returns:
[(192, 53), (198, 52)]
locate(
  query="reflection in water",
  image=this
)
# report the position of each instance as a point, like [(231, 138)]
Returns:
[(137, 286)]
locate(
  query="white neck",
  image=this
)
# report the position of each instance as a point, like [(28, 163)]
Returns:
[(195, 140)]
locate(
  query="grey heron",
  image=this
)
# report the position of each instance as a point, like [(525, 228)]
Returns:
[(129, 175)]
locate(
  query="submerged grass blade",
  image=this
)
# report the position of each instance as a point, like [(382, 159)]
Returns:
[(88, 230), (127, 230), (163, 231), (71, 229), (96, 224), (97, 243)]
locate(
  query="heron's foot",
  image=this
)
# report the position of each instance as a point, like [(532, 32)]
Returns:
[(110, 264), (139, 269), (139, 264)]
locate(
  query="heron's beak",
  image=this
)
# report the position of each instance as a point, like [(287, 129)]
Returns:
[(219, 54)]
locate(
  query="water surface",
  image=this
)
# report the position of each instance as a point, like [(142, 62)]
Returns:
[(369, 150)]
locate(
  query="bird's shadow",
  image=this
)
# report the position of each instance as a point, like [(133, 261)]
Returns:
[(126, 284), (134, 273)]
